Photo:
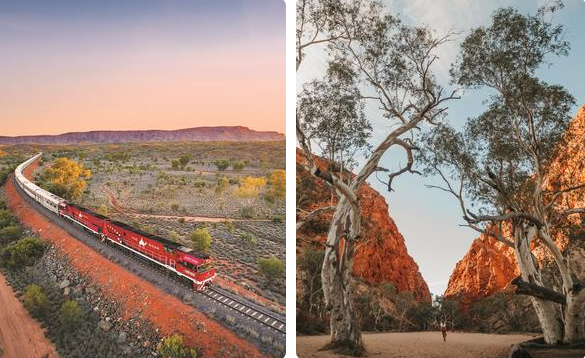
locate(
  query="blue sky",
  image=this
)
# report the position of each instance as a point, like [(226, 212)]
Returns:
[(429, 219)]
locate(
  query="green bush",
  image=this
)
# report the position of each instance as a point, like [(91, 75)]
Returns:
[(70, 315), (277, 219), (21, 253), (5, 218), (229, 225), (34, 300), (249, 238), (199, 183), (10, 233), (222, 164), (272, 268), (238, 165), (201, 239), (247, 212), (173, 347)]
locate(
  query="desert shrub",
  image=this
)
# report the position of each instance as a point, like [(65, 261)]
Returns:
[(273, 268), (10, 233), (234, 181), (247, 212), (6, 218), (201, 239), (103, 209), (174, 236), (222, 184), (249, 238), (70, 315), (238, 165), (34, 300), (185, 159), (229, 226), (174, 207), (66, 178), (21, 253), (199, 183), (181, 220), (173, 347), (276, 186), (277, 219), (175, 164), (222, 164)]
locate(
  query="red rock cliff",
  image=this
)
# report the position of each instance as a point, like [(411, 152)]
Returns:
[(383, 256), (489, 266)]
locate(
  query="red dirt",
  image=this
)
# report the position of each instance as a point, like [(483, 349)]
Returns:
[(137, 296), (20, 335)]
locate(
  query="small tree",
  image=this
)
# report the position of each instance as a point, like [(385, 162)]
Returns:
[(66, 178), (222, 164), (273, 268), (184, 160), (238, 165), (201, 239), (35, 300), (10, 233), (250, 188), (70, 315), (21, 253), (276, 185), (173, 347), (176, 164)]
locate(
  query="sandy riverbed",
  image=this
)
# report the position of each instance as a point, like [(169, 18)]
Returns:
[(421, 345)]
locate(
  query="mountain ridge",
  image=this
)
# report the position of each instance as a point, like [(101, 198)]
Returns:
[(193, 134)]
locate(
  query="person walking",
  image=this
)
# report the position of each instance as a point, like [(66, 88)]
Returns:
[(444, 330)]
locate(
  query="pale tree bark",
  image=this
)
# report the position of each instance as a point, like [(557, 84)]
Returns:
[(530, 272)]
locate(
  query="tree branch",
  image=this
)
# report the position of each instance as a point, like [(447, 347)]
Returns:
[(531, 289)]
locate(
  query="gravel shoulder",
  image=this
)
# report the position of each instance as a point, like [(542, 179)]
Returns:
[(421, 345), (20, 335)]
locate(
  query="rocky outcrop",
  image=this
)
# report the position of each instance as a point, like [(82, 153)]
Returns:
[(199, 134), (382, 257), (489, 266)]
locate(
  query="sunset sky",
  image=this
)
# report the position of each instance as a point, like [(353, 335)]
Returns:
[(141, 64)]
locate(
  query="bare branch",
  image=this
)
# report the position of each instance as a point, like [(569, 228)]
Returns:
[(313, 214)]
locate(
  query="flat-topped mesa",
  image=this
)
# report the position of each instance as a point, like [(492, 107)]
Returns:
[(489, 266), (382, 255), (197, 134)]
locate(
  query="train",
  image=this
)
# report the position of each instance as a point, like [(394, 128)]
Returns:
[(194, 266)]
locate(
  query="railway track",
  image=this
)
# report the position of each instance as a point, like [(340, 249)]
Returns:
[(223, 303)]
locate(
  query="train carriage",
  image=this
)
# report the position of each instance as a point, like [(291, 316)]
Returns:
[(186, 262)]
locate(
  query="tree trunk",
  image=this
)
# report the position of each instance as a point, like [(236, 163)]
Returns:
[(575, 317), (336, 273), (545, 310)]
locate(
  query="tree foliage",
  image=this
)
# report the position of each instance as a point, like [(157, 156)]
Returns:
[(22, 253), (250, 187), (70, 315), (173, 347), (276, 185), (273, 268), (66, 178), (201, 239), (34, 300)]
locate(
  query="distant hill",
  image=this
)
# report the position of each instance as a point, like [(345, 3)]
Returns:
[(198, 134)]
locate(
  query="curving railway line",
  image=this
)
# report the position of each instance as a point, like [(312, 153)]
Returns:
[(233, 311)]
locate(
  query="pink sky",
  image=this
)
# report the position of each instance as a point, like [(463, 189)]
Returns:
[(145, 78)]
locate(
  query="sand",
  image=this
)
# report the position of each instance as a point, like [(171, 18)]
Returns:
[(422, 345), (20, 335)]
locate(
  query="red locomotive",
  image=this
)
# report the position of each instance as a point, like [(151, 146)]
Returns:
[(184, 261)]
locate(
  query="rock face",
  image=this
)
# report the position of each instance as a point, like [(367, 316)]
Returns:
[(383, 256), (489, 266), (199, 134)]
